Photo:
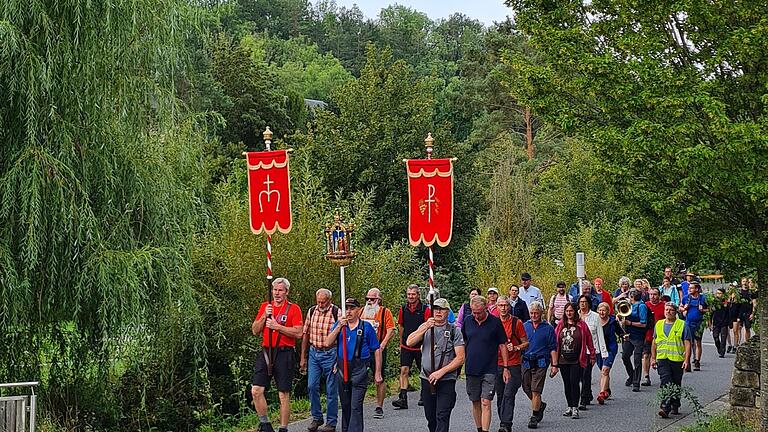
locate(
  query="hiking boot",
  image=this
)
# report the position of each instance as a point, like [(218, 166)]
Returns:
[(697, 365), (327, 428), (505, 427), (533, 422), (314, 425), (420, 402), (647, 382), (675, 410), (282, 429), (583, 406), (628, 382), (540, 416), (730, 349), (575, 414), (636, 389), (663, 413), (568, 412), (400, 403), (378, 413), (266, 427)]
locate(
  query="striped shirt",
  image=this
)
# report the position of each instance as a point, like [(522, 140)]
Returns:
[(557, 303), (318, 326)]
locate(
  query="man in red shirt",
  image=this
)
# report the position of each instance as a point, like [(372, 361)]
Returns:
[(280, 324), (412, 314), (517, 341), (655, 305)]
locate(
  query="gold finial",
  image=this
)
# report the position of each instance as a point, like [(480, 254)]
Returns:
[(429, 141), (267, 134)]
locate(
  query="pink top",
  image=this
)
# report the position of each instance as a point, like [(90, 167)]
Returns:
[(586, 342)]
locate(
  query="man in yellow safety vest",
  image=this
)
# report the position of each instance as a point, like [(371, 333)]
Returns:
[(670, 355)]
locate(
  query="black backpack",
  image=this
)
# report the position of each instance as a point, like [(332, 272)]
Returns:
[(650, 319)]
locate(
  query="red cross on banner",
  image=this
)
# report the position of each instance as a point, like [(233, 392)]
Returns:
[(430, 201), (269, 191)]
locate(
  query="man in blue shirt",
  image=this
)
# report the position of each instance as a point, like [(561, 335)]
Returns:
[(357, 342), (693, 307), (584, 287), (541, 352), (632, 347), (484, 337)]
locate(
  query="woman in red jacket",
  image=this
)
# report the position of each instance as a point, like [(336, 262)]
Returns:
[(574, 349)]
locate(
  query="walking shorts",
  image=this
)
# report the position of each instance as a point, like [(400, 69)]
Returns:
[(283, 370)]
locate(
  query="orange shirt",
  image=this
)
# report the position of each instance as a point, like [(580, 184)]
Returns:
[(515, 357), (381, 325), (289, 317)]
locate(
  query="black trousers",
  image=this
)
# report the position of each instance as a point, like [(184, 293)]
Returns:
[(352, 394), (571, 374), (633, 349), (438, 406), (670, 373), (505, 393), (586, 383), (720, 334)]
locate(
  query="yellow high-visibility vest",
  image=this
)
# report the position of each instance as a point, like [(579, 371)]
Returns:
[(670, 347)]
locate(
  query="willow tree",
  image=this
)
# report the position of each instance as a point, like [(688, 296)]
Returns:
[(100, 173)]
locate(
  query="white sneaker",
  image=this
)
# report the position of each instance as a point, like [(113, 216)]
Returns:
[(568, 412), (575, 413)]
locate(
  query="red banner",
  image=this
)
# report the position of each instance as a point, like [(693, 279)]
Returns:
[(430, 201), (269, 191)]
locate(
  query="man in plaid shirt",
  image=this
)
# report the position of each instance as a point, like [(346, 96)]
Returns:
[(322, 357)]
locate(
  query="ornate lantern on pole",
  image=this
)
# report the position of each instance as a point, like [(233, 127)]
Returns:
[(338, 246)]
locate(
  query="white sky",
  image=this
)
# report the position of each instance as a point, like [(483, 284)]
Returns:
[(487, 11)]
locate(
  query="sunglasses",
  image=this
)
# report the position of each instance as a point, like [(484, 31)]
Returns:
[(371, 298)]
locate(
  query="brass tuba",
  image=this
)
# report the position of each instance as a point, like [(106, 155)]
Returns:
[(623, 310)]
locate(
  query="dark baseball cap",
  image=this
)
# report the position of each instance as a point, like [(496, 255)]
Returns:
[(351, 302), (525, 276), (560, 284)]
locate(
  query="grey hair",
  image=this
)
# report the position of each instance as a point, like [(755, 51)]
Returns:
[(325, 292), (478, 300), (502, 299), (283, 281), (375, 290), (624, 279), (585, 283), (536, 305), (412, 286)]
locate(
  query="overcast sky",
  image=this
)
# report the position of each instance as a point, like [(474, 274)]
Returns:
[(487, 11)]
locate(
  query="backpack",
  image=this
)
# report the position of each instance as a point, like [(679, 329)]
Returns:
[(650, 319), (334, 311)]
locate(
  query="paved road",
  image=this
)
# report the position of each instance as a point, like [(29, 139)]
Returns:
[(624, 412)]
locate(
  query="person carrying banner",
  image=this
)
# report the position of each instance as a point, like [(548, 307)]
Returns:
[(438, 387), (284, 319)]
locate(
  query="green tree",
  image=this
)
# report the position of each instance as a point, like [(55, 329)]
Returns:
[(673, 97), (100, 177)]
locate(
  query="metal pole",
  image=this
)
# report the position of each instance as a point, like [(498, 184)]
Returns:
[(345, 363), (270, 350)]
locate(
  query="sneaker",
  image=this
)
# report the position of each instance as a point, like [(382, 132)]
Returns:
[(729, 350), (647, 382), (533, 423), (583, 406), (505, 427), (636, 389), (420, 402), (327, 428), (541, 412), (675, 410), (663, 414), (722, 355), (697, 365), (314, 425), (378, 413), (266, 427), (601, 398), (628, 382), (575, 413), (568, 412), (282, 429), (688, 369)]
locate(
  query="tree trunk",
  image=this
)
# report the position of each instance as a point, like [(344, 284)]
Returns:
[(528, 133), (762, 307)]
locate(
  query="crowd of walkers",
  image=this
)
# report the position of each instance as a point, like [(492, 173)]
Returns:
[(501, 343)]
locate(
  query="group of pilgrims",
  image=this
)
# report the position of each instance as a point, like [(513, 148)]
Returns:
[(499, 343)]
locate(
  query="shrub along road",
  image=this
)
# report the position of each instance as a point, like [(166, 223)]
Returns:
[(625, 411)]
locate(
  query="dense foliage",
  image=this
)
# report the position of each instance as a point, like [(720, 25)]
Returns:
[(129, 276)]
